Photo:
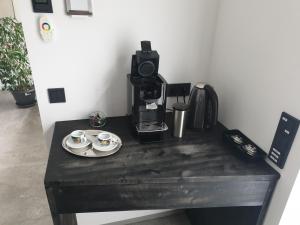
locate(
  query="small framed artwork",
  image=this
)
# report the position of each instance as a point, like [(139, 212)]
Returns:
[(79, 7)]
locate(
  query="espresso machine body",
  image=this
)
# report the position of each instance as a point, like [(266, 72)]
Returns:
[(147, 106)]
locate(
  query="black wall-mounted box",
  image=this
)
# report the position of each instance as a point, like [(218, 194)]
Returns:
[(283, 140), (42, 6), (56, 95)]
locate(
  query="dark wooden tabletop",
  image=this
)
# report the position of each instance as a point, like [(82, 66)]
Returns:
[(199, 156)]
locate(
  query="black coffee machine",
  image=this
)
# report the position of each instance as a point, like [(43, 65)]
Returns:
[(147, 95)]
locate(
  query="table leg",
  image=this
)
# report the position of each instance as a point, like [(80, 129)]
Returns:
[(64, 219), (59, 219), (266, 203)]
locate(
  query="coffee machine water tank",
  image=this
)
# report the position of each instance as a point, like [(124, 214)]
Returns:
[(203, 102)]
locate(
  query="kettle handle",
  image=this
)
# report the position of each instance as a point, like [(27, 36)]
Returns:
[(213, 98)]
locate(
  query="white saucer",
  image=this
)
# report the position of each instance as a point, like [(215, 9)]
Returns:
[(70, 143), (105, 148)]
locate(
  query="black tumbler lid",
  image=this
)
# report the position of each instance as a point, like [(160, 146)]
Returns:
[(180, 106)]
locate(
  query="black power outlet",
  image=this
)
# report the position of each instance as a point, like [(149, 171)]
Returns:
[(56, 95), (179, 89)]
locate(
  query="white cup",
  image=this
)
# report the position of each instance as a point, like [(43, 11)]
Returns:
[(78, 136), (104, 138)]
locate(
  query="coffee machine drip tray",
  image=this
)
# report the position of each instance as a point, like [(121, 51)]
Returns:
[(149, 127)]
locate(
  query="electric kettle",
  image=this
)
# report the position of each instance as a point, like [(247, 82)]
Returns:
[(203, 103)]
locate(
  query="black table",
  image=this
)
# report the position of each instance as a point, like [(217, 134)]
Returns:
[(198, 171)]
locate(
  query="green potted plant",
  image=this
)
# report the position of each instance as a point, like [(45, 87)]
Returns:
[(15, 71)]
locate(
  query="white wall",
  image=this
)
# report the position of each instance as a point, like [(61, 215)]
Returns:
[(91, 57), (255, 69), (127, 217), (291, 211)]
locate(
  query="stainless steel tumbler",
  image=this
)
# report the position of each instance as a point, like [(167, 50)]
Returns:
[(180, 111)]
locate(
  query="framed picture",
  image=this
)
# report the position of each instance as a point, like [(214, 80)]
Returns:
[(79, 7)]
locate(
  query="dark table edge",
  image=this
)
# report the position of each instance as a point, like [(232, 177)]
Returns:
[(199, 180)]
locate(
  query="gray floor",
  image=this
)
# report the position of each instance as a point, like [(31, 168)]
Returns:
[(22, 165), (23, 158)]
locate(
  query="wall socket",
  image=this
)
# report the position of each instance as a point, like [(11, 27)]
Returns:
[(179, 89)]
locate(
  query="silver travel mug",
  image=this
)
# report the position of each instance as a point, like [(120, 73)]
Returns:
[(180, 111)]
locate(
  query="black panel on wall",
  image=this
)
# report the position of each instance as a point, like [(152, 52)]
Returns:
[(56, 95), (42, 6), (283, 140)]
